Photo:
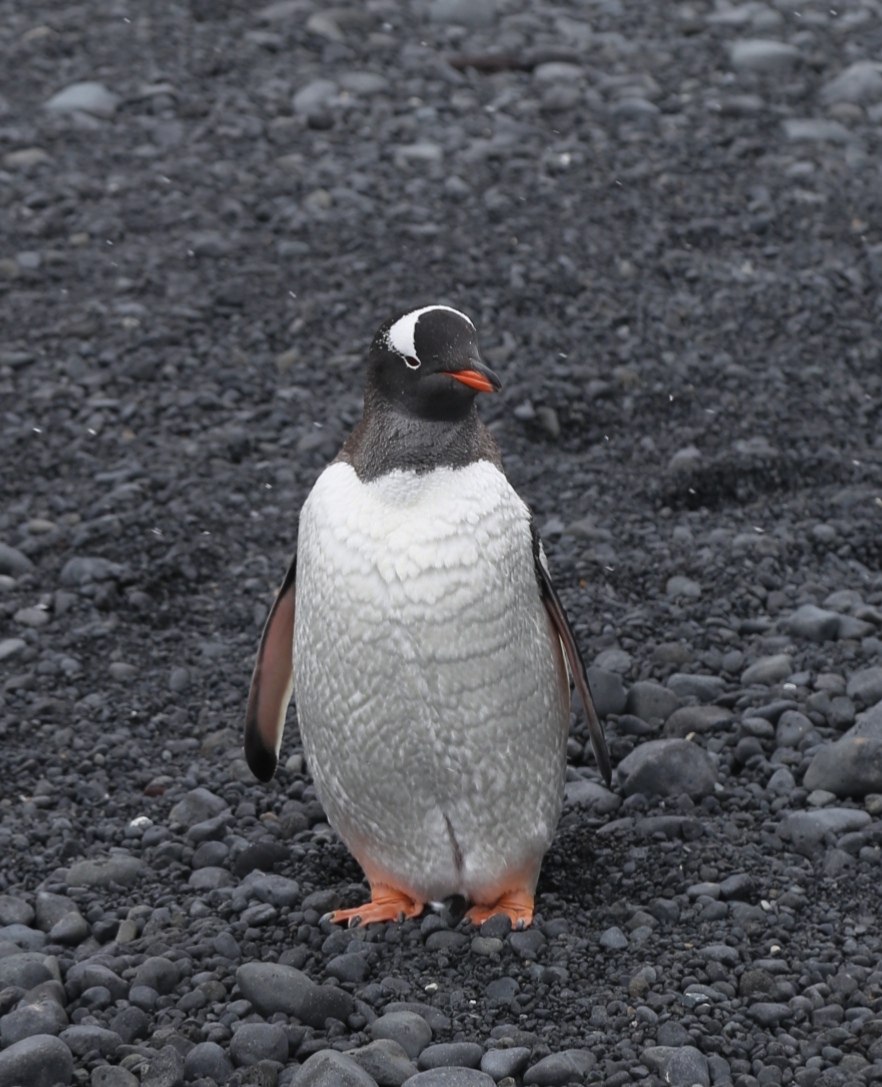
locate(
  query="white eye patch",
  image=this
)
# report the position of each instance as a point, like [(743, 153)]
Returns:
[(400, 337)]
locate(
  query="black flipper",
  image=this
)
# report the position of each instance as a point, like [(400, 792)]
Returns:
[(561, 624), (271, 683)]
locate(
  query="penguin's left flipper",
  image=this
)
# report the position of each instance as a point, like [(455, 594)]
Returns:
[(271, 683), (561, 624)]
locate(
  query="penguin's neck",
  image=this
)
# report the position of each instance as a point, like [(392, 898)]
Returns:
[(387, 439)]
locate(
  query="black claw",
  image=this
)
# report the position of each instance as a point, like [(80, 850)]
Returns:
[(354, 922)]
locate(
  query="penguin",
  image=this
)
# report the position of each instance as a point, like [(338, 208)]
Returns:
[(425, 645)]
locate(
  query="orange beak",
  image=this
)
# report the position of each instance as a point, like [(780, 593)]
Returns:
[(484, 380)]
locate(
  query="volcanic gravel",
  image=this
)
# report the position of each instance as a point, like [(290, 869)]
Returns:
[(666, 222)]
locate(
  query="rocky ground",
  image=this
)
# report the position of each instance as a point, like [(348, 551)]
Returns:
[(666, 221)]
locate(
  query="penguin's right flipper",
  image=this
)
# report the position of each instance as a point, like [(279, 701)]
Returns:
[(271, 683)]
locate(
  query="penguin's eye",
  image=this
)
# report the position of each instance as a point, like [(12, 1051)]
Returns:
[(412, 362)]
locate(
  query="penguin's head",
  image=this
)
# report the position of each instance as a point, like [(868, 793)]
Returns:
[(426, 364)]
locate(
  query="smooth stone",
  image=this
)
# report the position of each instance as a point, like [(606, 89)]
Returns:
[(254, 1042), (272, 987), (42, 1017), (450, 1077), (40, 1061), (687, 1067), (471, 13), (24, 970), (815, 130), (505, 1063), (696, 719), (86, 97), (107, 1076), (408, 1029), (197, 806), (607, 691), (808, 831), (314, 95), (764, 55), (859, 84), (208, 1060), (814, 623), (13, 562), (166, 1069), (558, 1069), (385, 1061), (327, 1068), (851, 765), (102, 872), (25, 937), (83, 570), (450, 1054), (768, 670), (651, 701), (613, 939), (158, 973), (278, 891), (865, 685), (32, 617), (702, 688), (667, 768), (15, 911), (679, 586)]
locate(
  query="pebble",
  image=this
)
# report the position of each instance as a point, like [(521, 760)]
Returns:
[(696, 719), (702, 688), (558, 1069), (104, 871), (385, 1061), (667, 768), (272, 987), (197, 806), (471, 13), (450, 1077), (166, 1069), (768, 670), (328, 1068), (253, 1042), (87, 97), (687, 1067), (207, 1060), (865, 685), (39, 1061), (814, 623), (450, 1054), (764, 55), (40, 1017), (808, 831), (651, 701), (507, 1063), (851, 765), (14, 562), (408, 1029), (860, 83)]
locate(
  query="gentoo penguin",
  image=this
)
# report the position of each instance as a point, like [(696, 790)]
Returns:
[(425, 644)]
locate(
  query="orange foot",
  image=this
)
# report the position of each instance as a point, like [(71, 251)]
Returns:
[(386, 904), (517, 905)]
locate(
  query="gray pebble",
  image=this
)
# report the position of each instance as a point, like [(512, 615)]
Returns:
[(505, 1063), (166, 1069), (15, 911), (210, 878), (450, 1077), (408, 1029), (470, 13), (814, 130), (687, 1067), (770, 1014), (86, 97), (159, 973), (24, 970), (696, 719), (807, 831), (702, 688), (607, 691), (679, 586), (651, 701), (860, 84), (210, 855), (102, 872), (179, 680), (41, 1017), (763, 55), (385, 1061), (106, 1076), (613, 939), (40, 1061), (852, 765), (87, 975), (558, 1069), (768, 670), (83, 570), (71, 929), (315, 95), (13, 562), (865, 686), (207, 1059), (792, 728), (196, 807), (272, 987), (28, 939), (81, 1040), (278, 890), (32, 617), (327, 1068), (9, 647), (254, 1042), (452, 1054), (667, 768)]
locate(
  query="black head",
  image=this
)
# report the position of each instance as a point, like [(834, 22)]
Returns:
[(426, 365)]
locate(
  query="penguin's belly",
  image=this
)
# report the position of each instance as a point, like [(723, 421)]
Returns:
[(432, 699)]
